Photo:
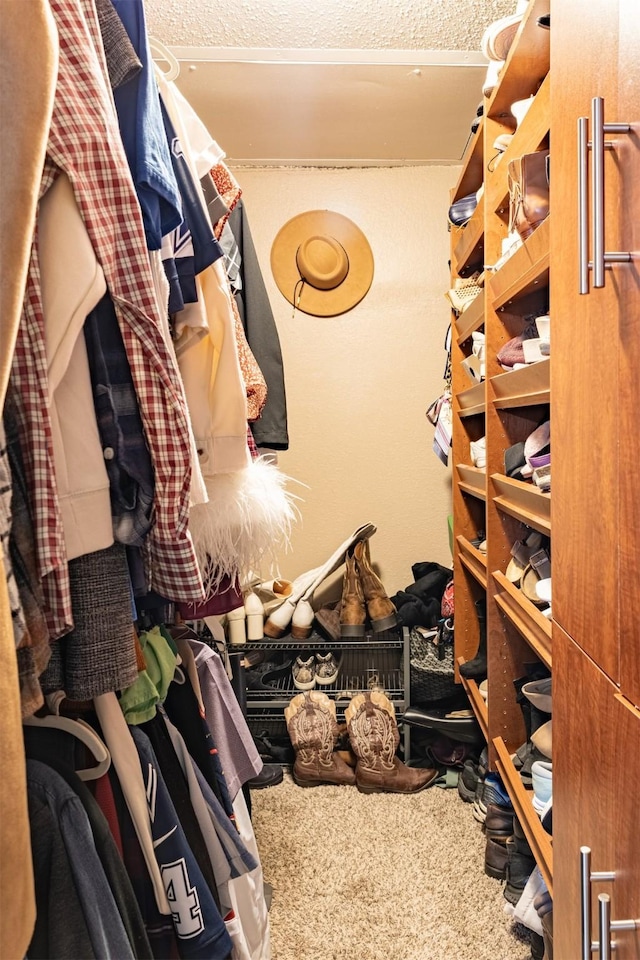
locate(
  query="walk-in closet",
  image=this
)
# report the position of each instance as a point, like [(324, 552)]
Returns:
[(304, 657)]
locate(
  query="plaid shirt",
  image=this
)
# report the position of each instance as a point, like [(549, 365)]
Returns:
[(84, 142)]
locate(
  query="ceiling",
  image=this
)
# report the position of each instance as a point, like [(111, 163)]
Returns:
[(317, 82)]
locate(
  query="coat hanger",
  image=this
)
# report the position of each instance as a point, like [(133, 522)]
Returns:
[(163, 53), (83, 732)]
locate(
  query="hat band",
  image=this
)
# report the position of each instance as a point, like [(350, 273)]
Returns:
[(322, 262)]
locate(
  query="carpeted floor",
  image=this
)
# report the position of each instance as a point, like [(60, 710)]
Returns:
[(379, 877)]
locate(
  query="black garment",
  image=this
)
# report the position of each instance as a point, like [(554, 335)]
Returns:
[(183, 710), (49, 747), (177, 786), (270, 430)]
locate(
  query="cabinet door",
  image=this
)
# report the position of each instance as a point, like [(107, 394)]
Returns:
[(596, 746), (595, 339), (629, 397)]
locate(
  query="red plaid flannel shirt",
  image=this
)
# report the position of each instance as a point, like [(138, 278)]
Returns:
[(84, 142)]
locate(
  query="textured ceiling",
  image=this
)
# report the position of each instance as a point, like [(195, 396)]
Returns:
[(359, 24)]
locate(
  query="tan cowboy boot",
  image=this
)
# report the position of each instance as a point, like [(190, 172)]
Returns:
[(374, 738), (313, 730), (352, 610), (380, 609)]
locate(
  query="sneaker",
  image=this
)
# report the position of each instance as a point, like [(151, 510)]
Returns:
[(304, 673), (468, 781), (464, 292), (327, 668), (479, 807), (494, 792)]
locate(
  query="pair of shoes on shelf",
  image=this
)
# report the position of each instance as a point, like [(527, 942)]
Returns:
[(363, 596), (373, 738), (318, 668)]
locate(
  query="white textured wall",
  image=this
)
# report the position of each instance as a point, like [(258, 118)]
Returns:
[(358, 385), (365, 24)]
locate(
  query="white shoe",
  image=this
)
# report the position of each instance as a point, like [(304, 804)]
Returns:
[(254, 611), (236, 626), (304, 587)]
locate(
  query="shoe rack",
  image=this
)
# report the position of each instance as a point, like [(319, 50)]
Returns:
[(382, 656), (504, 408)]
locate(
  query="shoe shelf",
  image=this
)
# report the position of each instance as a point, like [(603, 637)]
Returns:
[(387, 640), (477, 702), (527, 64), (472, 172), (472, 560), (471, 402), (524, 501), (470, 244), (526, 387), (472, 480), (471, 320), (526, 270), (526, 139), (525, 616), (521, 798)]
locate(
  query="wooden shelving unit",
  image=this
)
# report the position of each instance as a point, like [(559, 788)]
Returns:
[(504, 409)]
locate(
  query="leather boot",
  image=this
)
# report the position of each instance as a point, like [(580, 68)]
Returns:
[(381, 611), (352, 610), (374, 739), (476, 669), (313, 730)]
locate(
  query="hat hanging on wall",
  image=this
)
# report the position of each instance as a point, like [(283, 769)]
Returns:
[(322, 263)]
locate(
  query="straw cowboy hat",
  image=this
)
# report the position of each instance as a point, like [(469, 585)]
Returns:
[(322, 263)]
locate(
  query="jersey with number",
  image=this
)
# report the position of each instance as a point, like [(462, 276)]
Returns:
[(199, 927)]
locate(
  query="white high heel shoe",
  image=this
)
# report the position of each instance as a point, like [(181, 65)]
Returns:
[(254, 611), (236, 626), (297, 608)]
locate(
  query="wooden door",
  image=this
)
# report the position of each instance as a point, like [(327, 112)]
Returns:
[(595, 382), (596, 784), (629, 356)]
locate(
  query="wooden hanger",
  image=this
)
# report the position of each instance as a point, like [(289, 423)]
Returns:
[(83, 732), (163, 53)]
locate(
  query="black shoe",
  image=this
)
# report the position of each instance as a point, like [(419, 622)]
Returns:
[(270, 775)]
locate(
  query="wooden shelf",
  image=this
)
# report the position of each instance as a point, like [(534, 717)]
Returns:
[(472, 166), (538, 839), (473, 480), (526, 387), (524, 501), (477, 702), (527, 138), (525, 271), (472, 560), (471, 241), (471, 320), (472, 402), (525, 616), (527, 63)]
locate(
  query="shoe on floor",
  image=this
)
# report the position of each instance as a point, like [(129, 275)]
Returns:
[(270, 776)]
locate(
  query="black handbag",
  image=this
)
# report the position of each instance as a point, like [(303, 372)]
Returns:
[(431, 663)]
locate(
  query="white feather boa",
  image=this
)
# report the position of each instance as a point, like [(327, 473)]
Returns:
[(245, 525)]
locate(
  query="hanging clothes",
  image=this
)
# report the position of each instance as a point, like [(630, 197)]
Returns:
[(84, 142)]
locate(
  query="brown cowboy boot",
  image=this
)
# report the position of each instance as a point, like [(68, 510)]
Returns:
[(352, 610), (380, 609), (313, 730), (374, 738)]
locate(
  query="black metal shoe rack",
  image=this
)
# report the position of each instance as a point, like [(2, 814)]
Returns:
[(381, 658)]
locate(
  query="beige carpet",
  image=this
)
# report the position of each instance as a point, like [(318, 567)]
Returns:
[(379, 877)]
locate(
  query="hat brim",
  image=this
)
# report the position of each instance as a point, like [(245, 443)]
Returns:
[(322, 303)]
